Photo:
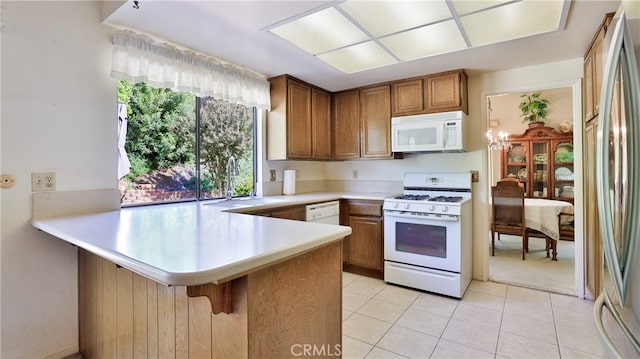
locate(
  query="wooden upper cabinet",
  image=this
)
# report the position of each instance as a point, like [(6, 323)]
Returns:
[(321, 143), (593, 68), (375, 122), (587, 88), (298, 120), (346, 121), (407, 97), (299, 123), (598, 66), (446, 92)]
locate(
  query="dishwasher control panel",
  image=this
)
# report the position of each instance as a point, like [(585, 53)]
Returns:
[(327, 212)]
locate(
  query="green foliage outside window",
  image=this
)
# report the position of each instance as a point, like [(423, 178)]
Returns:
[(161, 137)]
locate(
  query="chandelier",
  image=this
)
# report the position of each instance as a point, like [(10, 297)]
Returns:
[(499, 141)]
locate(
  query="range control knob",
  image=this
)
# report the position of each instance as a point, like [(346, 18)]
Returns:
[(432, 208), (445, 209), (395, 205), (407, 206)]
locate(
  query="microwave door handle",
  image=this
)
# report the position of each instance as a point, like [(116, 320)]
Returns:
[(444, 135)]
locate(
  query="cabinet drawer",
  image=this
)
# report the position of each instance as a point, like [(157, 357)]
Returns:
[(365, 208)]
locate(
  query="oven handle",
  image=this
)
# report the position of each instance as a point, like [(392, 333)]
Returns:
[(413, 215)]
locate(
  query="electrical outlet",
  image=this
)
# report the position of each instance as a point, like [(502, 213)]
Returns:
[(354, 174), (43, 181), (272, 175), (475, 176)]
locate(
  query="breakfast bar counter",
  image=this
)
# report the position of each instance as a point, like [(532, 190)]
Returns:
[(192, 280), (189, 243)]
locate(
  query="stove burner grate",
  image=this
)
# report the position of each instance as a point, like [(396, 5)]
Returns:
[(446, 199), (413, 197)]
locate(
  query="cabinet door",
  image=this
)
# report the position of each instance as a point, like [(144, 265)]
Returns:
[(321, 125), (514, 163), (346, 121), (375, 120), (587, 88), (444, 92), (298, 120), (408, 97), (598, 68), (563, 170), (297, 213), (593, 244), (365, 242), (540, 169)]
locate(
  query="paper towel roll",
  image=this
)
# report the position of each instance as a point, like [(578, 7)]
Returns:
[(289, 182)]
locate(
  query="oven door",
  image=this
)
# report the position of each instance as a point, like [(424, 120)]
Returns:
[(431, 241)]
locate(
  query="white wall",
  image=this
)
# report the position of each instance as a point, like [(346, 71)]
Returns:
[(58, 115)]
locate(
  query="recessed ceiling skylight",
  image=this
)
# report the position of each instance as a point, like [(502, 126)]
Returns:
[(433, 40), (359, 57), (512, 21), (321, 31), (386, 17), (464, 7), (357, 35)]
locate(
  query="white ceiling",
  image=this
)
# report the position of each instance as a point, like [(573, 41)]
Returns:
[(237, 31)]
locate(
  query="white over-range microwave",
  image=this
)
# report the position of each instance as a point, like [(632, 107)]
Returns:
[(434, 132)]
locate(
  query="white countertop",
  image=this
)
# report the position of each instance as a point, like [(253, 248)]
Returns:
[(196, 242)]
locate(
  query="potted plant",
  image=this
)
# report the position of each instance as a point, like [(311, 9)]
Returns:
[(534, 109)]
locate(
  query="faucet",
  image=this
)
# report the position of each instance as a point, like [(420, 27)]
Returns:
[(232, 170)]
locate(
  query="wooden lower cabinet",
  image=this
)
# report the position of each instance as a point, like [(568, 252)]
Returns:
[(275, 310), (297, 213), (364, 248)]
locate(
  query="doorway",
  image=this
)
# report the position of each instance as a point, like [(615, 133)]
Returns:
[(562, 276)]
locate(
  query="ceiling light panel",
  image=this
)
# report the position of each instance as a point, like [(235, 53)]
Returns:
[(386, 17), (463, 7), (512, 21), (359, 57), (426, 41), (322, 31)]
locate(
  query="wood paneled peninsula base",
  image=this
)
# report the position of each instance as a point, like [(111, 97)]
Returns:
[(286, 309)]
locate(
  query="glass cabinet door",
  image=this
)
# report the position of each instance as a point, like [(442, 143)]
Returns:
[(563, 171), (540, 170), (516, 166)]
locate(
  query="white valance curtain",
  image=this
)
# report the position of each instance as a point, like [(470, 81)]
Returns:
[(139, 58)]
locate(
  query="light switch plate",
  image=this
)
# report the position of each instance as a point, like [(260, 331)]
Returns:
[(272, 175)]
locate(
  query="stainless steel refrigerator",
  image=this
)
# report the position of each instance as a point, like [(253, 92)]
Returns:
[(617, 309)]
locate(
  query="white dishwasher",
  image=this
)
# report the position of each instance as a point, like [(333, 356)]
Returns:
[(327, 212)]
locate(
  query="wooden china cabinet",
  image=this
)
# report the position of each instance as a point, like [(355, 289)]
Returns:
[(542, 159)]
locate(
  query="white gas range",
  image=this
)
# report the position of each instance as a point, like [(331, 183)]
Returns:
[(427, 233)]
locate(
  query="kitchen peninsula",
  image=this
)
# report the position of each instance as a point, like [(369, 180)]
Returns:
[(191, 280)]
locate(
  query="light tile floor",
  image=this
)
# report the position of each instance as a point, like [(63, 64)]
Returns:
[(492, 320)]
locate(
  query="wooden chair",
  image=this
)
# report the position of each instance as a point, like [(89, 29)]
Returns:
[(566, 226), (508, 215), (513, 179), (507, 208)]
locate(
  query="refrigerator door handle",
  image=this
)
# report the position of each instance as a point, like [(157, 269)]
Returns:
[(601, 302)]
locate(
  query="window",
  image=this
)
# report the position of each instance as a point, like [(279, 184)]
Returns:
[(179, 145)]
